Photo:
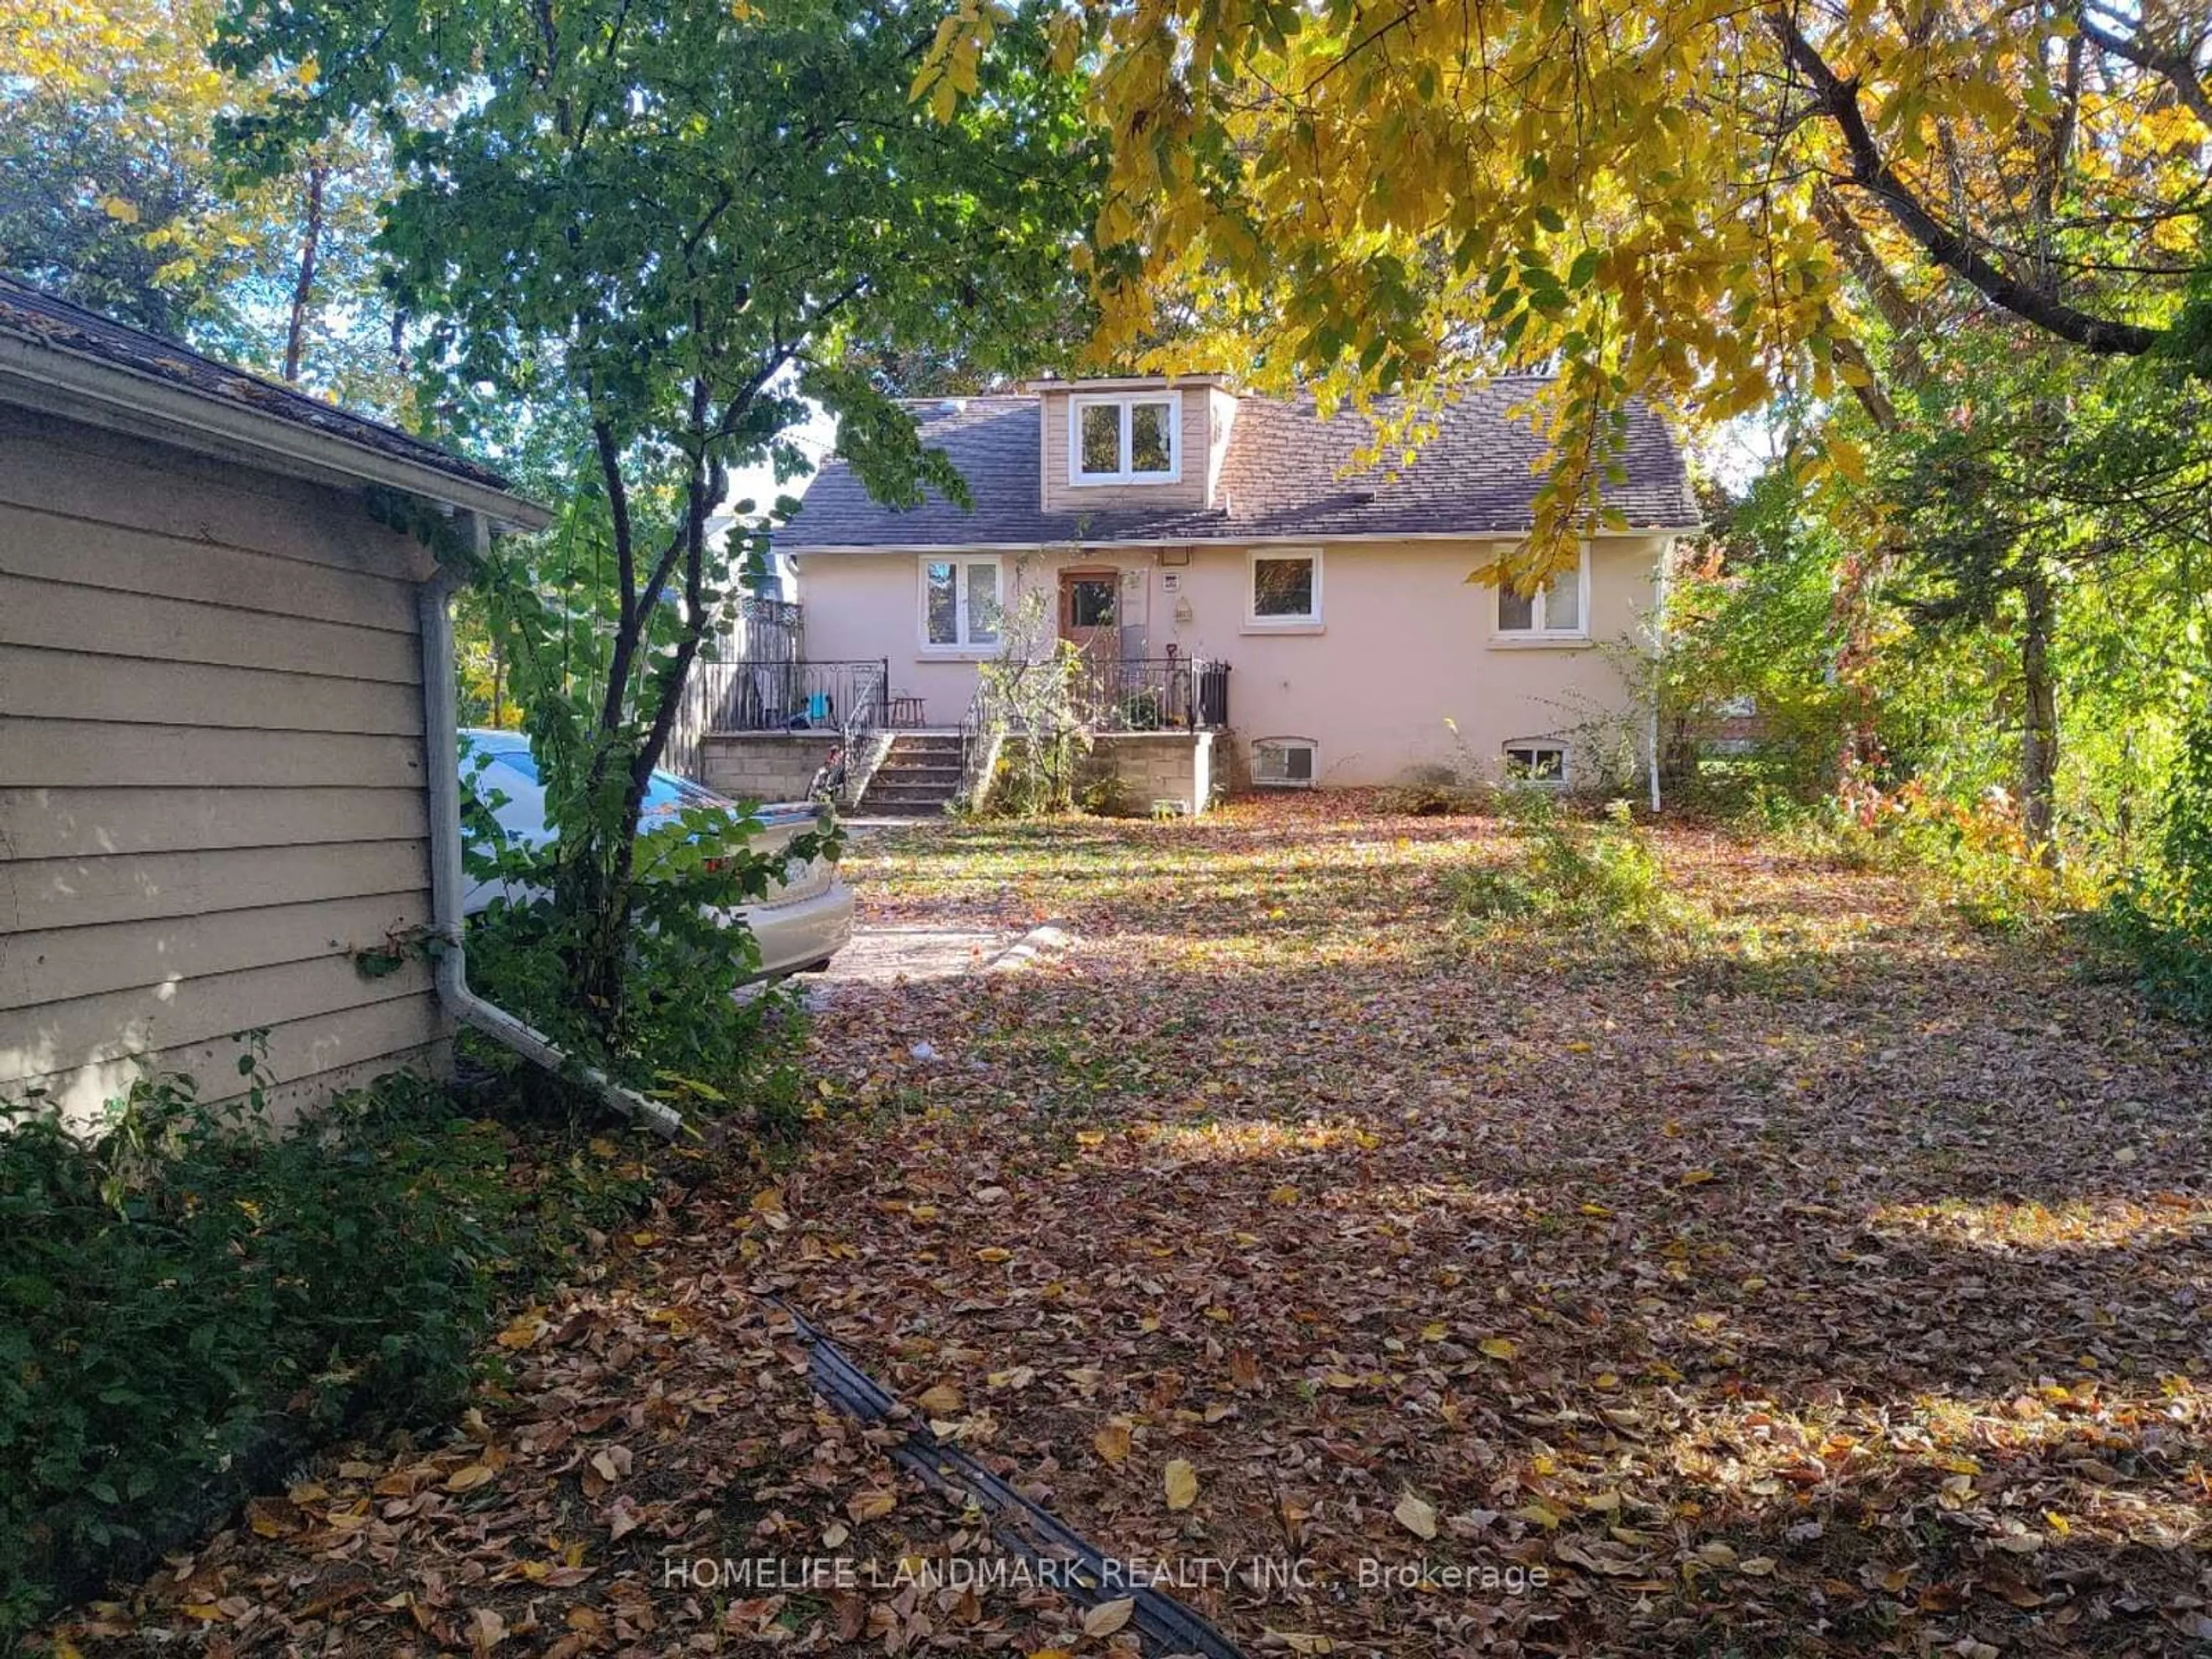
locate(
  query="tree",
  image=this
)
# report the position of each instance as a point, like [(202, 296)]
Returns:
[(111, 195), (2022, 487), (1651, 199), (672, 222)]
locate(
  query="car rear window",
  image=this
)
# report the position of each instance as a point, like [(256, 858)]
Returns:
[(664, 793)]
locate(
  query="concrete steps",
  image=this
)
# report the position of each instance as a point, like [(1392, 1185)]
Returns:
[(918, 778)]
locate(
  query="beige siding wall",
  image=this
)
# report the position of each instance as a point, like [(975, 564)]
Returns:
[(1405, 643), (1198, 416), (210, 773)]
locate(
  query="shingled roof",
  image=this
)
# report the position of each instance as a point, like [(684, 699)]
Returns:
[(55, 324), (1284, 477)]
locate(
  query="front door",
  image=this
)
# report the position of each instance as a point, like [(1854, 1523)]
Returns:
[(1090, 613)]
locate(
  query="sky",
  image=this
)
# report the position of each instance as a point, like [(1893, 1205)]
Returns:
[(759, 482)]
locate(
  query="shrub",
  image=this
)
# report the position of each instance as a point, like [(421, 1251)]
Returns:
[(185, 1289), (1572, 874), (1103, 793), (2162, 915), (1142, 710), (681, 1033), (1976, 855)]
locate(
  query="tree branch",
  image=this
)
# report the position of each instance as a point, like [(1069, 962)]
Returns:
[(2178, 69), (1890, 299), (1874, 174), (626, 629)]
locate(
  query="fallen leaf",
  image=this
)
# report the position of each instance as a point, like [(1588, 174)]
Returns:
[(1416, 1516), (1180, 1481), (1109, 1616), (870, 1505), (1112, 1439)]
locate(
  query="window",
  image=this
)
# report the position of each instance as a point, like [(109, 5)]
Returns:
[(1286, 590), (1536, 762), (1554, 610), (1091, 600), (1283, 762), (1124, 440), (960, 604)]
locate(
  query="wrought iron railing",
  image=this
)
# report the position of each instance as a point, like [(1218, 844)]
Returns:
[(982, 731), (1155, 693)]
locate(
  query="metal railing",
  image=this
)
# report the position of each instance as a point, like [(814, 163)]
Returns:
[(982, 731), (1155, 693)]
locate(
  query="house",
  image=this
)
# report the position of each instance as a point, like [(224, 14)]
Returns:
[(225, 727), (1237, 577)]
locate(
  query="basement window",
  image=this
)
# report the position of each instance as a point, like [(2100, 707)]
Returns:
[(1536, 762), (1283, 763)]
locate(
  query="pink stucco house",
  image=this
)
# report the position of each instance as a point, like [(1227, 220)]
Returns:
[(1241, 585)]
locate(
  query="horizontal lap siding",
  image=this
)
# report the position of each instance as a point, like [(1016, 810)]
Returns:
[(306, 1058), (110, 822), (211, 772), (106, 622), (1062, 495), (37, 895), (60, 964)]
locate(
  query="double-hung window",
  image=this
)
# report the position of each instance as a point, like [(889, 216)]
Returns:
[(961, 604), (1556, 611), (1135, 439)]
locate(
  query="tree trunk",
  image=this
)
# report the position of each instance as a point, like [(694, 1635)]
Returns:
[(601, 883), (2038, 738), (295, 334)]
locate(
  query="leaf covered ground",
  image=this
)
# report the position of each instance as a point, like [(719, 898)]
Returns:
[(1806, 1274)]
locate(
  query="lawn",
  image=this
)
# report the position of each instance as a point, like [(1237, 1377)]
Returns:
[(1802, 1271)]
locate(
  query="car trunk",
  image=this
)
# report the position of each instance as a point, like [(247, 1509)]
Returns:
[(802, 879)]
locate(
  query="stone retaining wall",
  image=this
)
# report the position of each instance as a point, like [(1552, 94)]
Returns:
[(1156, 767), (762, 766)]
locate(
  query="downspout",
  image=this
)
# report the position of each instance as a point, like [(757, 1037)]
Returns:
[(442, 755)]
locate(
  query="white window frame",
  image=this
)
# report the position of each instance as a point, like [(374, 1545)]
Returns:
[(1125, 474), (1313, 763), (960, 562), (1257, 623), (1539, 631), (1533, 745)]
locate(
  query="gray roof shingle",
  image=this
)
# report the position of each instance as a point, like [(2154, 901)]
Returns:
[(1284, 476), (46, 321)]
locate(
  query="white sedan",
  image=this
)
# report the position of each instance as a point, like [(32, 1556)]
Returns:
[(800, 925)]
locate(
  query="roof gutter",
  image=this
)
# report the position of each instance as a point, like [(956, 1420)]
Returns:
[(1145, 544), (74, 387), (450, 971)]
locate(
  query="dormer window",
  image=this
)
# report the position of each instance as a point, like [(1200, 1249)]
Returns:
[(1124, 440)]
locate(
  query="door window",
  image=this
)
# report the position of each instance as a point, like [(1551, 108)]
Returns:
[(1090, 601)]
